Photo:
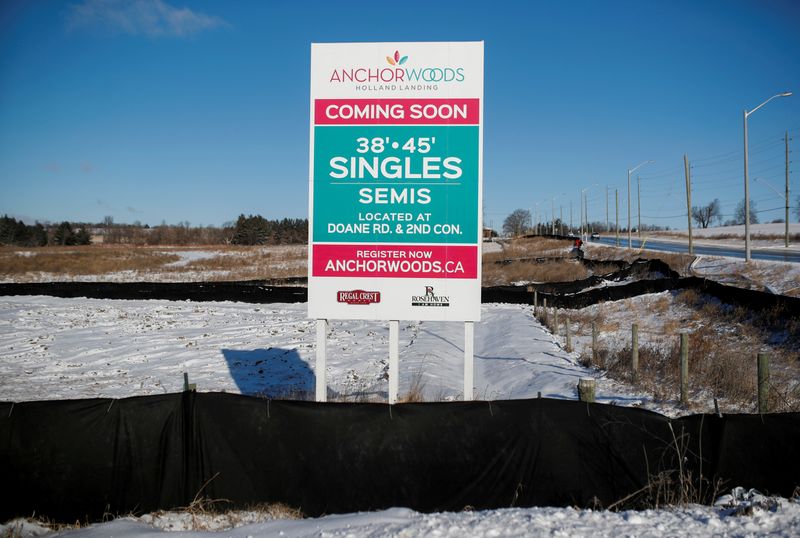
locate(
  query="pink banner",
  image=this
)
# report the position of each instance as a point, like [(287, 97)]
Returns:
[(401, 261), (396, 111)]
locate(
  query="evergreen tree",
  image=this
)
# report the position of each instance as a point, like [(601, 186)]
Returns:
[(38, 236), (64, 234), (82, 237)]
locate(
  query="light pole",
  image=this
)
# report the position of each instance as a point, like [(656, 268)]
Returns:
[(630, 171), (786, 201), (745, 114)]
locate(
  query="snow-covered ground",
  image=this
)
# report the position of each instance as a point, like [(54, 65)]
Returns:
[(772, 230), (756, 516), (762, 236), (53, 348)]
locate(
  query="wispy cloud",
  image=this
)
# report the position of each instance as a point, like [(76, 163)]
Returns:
[(153, 18), (102, 203)]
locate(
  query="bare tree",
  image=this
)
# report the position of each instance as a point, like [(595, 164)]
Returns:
[(739, 214), (517, 222), (704, 215), (797, 208)]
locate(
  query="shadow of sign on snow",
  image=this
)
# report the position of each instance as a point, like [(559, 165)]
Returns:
[(272, 372)]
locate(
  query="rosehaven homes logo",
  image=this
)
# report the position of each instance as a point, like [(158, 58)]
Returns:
[(430, 299), (397, 72), (358, 297)]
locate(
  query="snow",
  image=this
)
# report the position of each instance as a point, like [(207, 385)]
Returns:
[(78, 348), (188, 256), (762, 236), (776, 277), (492, 246), (52, 348), (767, 229), (780, 518)]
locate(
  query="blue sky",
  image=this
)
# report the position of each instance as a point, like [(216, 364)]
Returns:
[(173, 110)]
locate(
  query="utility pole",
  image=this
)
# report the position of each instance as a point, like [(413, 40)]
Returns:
[(570, 215), (630, 171), (607, 229), (688, 200), (586, 212), (639, 206), (786, 235), (616, 205), (629, 208), (746, 196)]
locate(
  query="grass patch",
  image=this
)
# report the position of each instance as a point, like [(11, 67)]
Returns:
[(723, 344), (223, 263), (88, 260), (564, 270)]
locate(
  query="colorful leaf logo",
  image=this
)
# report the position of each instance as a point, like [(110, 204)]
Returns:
[(396, 59)]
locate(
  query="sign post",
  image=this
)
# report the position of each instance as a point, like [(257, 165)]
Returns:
[(469, 367), (395, 182)]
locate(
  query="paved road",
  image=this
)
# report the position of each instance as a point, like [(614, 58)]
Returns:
[(668, 246)]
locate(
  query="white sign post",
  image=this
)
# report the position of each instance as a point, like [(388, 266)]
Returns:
[(395, 185)]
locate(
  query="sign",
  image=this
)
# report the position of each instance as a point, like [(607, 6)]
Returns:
[(395, 181)]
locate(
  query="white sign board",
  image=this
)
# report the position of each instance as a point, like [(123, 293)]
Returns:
[(395, 181)]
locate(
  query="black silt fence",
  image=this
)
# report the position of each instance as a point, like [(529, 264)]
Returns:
[(646, 276), (250, 291), (82, 459)]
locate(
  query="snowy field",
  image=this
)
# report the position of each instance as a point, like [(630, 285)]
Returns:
[(53, 348), (775, 231)]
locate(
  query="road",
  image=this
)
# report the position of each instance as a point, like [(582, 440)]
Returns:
[(669, 246)]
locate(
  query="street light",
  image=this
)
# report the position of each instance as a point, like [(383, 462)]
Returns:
[(630, 171), (747, 179), (786, 201)]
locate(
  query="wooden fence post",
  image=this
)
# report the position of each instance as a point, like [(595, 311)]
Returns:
[(586, 389), (635, 350), (567, 334), (684, 368), (186, 385), (763, 383)]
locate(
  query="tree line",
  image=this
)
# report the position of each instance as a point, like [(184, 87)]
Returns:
[(705, 215), (16, 232), (519, 221), (246, 230)]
